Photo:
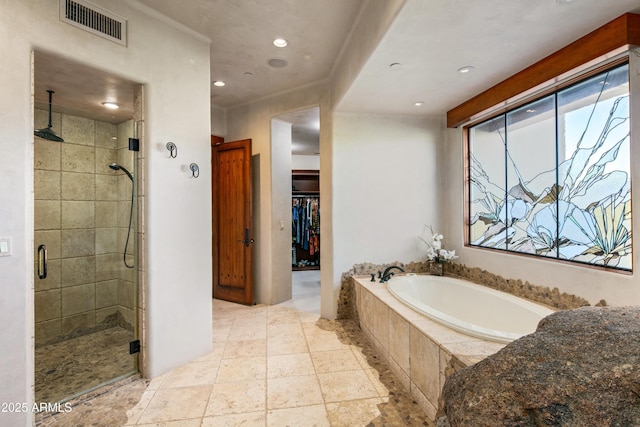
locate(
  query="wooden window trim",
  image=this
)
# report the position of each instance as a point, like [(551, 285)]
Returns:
[(622, 31)]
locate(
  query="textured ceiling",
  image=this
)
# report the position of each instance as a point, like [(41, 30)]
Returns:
[(305, 131), (429, 39), (80, 90), (242, 34)]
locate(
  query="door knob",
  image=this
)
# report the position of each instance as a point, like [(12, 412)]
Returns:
[(247, 241)]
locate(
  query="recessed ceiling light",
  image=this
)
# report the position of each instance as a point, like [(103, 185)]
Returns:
[(111, 105), (395, 65), (531, 110), (279, 42), (219, 83), (465, 69), (418, 103), (248, 74), (564, 1)]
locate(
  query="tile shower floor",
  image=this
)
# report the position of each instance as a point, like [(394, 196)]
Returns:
[(78, 364), (270, 366)]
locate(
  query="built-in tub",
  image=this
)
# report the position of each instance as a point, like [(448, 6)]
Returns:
[(469, 308)]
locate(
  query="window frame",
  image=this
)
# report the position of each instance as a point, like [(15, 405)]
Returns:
[(504, 110)]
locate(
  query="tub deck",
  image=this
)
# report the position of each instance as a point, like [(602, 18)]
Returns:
[(419, 351)]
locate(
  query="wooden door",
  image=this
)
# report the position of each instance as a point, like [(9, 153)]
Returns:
[(232, 231)]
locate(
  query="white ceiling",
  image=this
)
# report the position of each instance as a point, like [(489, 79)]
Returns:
[(80, 90), (430, 39), (305, 131), (242, 34)]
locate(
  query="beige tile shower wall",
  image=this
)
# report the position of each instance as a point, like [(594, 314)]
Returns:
[(76, 216)]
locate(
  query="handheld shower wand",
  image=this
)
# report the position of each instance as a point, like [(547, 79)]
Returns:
[(117, 167)]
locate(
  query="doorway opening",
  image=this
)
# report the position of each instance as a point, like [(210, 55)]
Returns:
[(304, 207), (85, 229)]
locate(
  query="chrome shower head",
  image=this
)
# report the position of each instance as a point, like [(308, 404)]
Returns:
[(117, 167)]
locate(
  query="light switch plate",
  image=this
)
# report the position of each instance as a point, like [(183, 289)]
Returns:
[(5, 246)]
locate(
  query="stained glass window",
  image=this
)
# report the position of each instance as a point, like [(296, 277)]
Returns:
[(552, 177)]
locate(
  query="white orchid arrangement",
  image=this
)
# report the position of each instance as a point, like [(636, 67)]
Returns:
[(435, 251)]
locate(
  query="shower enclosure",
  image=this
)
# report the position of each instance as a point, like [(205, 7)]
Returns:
[(85, 281)]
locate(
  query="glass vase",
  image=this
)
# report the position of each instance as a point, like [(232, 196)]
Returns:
[(435, 268)]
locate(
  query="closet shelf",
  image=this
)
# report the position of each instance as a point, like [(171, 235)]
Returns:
[(305, 182), (309, 267), (305, 174)]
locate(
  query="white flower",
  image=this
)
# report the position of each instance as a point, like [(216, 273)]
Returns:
[(435, 252), (431, 253), (448, 255)]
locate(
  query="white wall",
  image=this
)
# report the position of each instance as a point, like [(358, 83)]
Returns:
[(591, 283), (328, 303), (178, 210), (305, 162), (281, 207), (16, 221), (385, 188), (253, 121), (218, 121), (372, 23)]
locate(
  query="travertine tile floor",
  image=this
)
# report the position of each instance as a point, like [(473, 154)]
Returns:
[(270, 366), (305, 291)]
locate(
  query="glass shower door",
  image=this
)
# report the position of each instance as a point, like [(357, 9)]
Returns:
[(85, 214)]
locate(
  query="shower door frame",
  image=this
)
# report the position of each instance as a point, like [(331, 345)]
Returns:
[(135, 317)]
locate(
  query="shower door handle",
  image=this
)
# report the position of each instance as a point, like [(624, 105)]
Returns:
[(42, 262)]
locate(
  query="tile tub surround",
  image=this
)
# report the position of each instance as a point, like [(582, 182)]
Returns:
[(297, 370), (540, 294), (420, 352), (346, 299)]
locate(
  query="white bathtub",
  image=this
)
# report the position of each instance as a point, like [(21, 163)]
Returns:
[(469, 308)]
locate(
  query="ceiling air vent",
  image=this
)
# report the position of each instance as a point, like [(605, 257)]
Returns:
[(94, 19)]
